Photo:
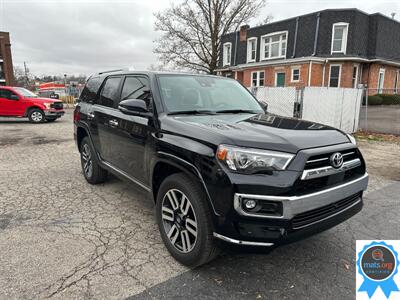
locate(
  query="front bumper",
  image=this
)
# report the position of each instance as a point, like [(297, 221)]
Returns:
[(53, 113), (301, 215)]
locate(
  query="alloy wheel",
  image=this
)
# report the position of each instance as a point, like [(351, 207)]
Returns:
[(179, 220), (37, 116), (87, 160)]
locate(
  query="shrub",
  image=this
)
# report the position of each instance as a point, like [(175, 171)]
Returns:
[(375, 100), (388, 99)]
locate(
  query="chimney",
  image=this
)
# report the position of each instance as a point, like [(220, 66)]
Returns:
[(243, 32)]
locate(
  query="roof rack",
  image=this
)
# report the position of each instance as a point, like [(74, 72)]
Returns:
[(110, 71)]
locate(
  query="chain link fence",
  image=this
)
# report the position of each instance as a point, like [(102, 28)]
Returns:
[(380, 111)]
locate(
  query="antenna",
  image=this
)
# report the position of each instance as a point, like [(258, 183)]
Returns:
[(393, 14)]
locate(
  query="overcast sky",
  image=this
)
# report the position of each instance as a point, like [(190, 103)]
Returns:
[(80, 37)]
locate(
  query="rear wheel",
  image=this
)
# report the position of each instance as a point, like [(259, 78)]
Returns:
[(36, 115), (91, 169), (184, 221)]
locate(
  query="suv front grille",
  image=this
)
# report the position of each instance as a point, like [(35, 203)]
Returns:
[(310, 217), (322, 160), (57, 105)]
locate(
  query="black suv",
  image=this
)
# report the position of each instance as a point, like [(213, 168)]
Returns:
[(218, 166)]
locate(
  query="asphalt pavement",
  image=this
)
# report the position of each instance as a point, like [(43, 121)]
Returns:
[(62, 238)]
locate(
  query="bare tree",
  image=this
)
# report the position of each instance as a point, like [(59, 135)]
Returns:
[(192, 30), (268, 19)]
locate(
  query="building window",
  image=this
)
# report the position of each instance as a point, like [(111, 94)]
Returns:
[(251, 49), (381, 80), (334, 75), (396, 83), (227, 54), (274, 45), (339, 37), (354, 81), (295, 74), (257, 78)]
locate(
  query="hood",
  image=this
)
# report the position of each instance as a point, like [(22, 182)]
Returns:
[(43, 100), (264, 131)]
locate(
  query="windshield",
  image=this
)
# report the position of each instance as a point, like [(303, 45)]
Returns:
[(25, 92), (181, 93)]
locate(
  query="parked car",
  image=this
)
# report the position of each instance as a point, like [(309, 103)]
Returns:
[(49, 94), (216, 164), (22, 103)]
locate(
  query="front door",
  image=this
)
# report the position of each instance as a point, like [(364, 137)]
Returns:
[(10, 106), (280, 79), (130, 137)]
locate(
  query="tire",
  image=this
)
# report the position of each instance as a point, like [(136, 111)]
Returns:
[(91, 169), (36, 115), (189, 249)]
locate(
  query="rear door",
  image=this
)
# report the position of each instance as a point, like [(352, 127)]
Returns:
[(104, 114)]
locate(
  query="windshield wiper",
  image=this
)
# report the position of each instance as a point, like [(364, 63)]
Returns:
[(193, 112), (236, 111)]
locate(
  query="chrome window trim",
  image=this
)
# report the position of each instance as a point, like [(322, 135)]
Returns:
[(326, 171)]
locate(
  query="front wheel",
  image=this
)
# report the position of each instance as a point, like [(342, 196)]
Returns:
[(36, 115), (184, 221)]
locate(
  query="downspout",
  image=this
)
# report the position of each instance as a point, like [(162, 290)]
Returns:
[(323, 72), (295, 37), (309, 73), (234, 58), (316, 35)]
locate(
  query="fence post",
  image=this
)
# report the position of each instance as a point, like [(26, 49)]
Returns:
[(366, 109)]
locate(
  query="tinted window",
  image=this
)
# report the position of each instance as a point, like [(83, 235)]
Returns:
[(180, 93), (136, 88), (109, 93), (91, 88), (6, 93)]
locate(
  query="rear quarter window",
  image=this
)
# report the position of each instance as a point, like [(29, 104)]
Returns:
[(91, 89)]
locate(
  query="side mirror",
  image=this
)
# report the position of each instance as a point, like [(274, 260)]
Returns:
[(264, 106), (13, 97), (134, 107)]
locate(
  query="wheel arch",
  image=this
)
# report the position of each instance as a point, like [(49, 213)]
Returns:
[(28, 109), (168, 164)]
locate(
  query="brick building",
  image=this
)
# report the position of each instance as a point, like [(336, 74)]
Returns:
[(332, 48), (6, 65)]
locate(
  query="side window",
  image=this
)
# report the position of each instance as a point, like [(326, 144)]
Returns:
[(109, 93), (91, 88), (136, 88), (6, 94)]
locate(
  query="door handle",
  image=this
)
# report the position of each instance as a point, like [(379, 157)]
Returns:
[(113, 123), (90, 116)]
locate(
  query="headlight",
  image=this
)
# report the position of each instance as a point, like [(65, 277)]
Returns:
[(48, 105), (352, 139), (250, 161)]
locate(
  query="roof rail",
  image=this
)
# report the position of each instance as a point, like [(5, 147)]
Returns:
[(110, 71)]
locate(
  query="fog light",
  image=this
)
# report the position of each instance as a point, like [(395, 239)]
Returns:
[(250, 204)]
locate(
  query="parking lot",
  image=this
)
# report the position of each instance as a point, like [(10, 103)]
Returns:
[(63, 238)]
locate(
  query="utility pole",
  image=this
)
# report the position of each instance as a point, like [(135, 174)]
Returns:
[(26, 75)]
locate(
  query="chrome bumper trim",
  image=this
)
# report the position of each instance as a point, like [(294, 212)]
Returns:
[(293, 205), (326, 171), (238, 242)]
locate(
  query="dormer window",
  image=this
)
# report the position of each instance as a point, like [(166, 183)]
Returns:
[(251, 49), (274, 45), (339, 37), (227, 54)]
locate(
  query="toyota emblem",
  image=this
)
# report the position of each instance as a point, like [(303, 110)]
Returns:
[(336, 160)]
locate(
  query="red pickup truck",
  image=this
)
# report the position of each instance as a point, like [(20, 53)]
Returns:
[(22, 103)]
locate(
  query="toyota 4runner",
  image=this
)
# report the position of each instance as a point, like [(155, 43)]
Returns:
[(218, 166)]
